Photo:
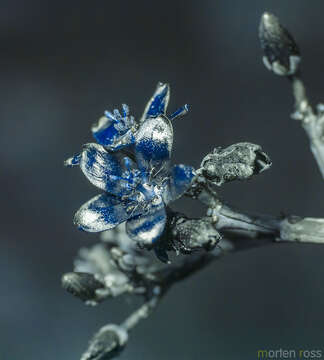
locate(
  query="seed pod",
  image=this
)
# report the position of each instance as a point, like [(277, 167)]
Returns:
[(82, 285), (281, 53)]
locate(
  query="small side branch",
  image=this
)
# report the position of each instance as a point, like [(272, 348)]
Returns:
[(142, 312), (228, 219), (282, 57), (312, 123), (305, 230), (240, 226)]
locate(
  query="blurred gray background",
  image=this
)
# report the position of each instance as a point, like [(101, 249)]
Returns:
[(62, 64)]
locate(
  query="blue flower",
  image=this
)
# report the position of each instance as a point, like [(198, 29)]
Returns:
[(131, 163)]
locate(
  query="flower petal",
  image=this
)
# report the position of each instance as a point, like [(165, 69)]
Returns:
[(158, 103), (180, 112), (104, 131), (100, 167), (147, 228), (73, 161), (153, 143), (179, 182), (103, 212)]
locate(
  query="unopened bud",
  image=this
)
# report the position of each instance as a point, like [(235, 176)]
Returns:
[(107, 343), (82, 285), (195, 234), (236, 162), (281, 53)]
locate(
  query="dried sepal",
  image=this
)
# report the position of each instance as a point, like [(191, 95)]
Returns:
[(184, 235)]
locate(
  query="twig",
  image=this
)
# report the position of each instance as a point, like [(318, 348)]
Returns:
[(311, 122), (142, 312)]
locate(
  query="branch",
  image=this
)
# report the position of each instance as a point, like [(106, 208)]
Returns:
[(242, 232), (282, 57), (117, 266), (142, 312), (279, 229), (311, 122)]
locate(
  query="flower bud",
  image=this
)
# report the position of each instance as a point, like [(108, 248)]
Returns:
[(107, 343), (82, 285), (281, 54), (195, 234), (236, 162)]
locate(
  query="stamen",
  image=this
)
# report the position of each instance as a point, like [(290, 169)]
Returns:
[(119, 178), (161, 168), (180, 112), (117, 114), (134, 209), (164, 180), (125, 110), (127, 163), (110, 116), (151, 172)]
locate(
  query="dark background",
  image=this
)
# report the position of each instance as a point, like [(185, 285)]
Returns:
[(62, 64)]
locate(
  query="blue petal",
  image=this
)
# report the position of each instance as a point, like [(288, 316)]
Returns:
[(153, 143), (158, 103), (147, 228), (73, 161), (102, 168), (115, 131), (103, 212), (179, 182), (104, 131)]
